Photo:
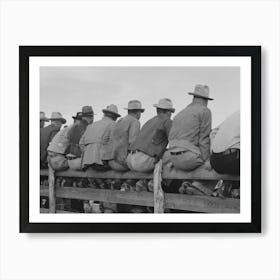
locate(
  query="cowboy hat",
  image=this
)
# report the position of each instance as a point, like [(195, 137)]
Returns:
[(87, 111), (78, 116), (201, 91), (57, 116), (43, 117), (113, 109), (135, 105), (165, 104)]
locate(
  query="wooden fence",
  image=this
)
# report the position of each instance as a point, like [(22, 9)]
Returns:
[(158, 199)]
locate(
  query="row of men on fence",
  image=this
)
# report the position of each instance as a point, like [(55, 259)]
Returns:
[(122, 145)]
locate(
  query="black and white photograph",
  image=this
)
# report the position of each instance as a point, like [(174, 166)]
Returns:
[(158, 136)]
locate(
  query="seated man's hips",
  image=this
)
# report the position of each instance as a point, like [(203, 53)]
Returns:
[(140, 162)]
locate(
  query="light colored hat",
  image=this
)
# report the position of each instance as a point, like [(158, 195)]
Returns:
[(201, 91), (87, 111), (43, 117), (166, 104), (111, 109), (57, 116), (134, 105)]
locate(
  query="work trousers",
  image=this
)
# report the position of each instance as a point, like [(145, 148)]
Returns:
[(186, 161), (58, 162), (140, 162), (226, 163)]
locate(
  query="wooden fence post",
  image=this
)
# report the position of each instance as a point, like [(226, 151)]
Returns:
[(52, 199), (158, 192)]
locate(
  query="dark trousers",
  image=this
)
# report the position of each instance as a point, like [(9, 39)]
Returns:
[(228, 163)]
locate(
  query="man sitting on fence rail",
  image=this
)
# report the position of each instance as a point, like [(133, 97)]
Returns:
[(47, 134), (96, 144), (225, 146), (124, 133), (152, 140), (189, 143), (81, 121), (61, 143)]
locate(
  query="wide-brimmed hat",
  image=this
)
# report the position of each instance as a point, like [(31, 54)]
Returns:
[(43, 117), (165, 104), (111, 109), (87, 111), (57, 116), (134, 105), (201, 91), (78, 116)]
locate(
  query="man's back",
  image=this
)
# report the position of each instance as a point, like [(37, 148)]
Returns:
[(124, 133), (46, 135), (96, 143), (153, 137), (191, 128), (228, 134)]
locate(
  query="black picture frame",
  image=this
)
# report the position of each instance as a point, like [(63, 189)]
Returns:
[(254, 52)]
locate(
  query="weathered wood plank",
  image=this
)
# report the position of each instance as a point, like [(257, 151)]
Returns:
[(52, 196), (158, 192), (172, 201), (198, 174), (46, 210)]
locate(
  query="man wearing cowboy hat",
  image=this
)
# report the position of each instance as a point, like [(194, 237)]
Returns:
[(96, 143), (150, 144), (47, 134), (225, 146), (61, 144), (43, 119), (81, 121), (189, 143), (124, 133)]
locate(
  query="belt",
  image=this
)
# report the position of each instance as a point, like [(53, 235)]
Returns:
[(228, 151), (177, 153)]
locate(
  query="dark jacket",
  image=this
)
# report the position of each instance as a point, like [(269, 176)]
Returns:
[(75, 134), (46, 135), (153, 137)]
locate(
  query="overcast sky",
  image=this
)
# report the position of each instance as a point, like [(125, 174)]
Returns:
[(67, 89)]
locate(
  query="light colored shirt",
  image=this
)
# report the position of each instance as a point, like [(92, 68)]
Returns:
[(190, 130), (125, 132), (61, 141), (95, 142), (227, 134)]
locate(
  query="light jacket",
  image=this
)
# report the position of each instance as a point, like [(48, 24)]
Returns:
[(46, 135), (61, 141), (96, 144), (227, 134), (190, 130), (125, 132)]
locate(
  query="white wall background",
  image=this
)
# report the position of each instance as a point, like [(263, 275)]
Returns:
[(139, 256)]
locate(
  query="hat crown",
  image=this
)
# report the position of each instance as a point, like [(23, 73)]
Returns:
[(202, 91), (165, 103), (56, 115), (112, 108), (87, 109), (134, 105)]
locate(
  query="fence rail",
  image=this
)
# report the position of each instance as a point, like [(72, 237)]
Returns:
[(170, 201)]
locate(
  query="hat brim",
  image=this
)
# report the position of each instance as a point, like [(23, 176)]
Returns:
[(44, 120), (194, 94), (142, 110), (168, 109), (111, 112), (59, 119)]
